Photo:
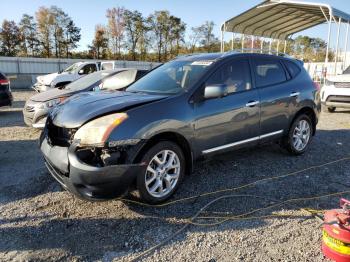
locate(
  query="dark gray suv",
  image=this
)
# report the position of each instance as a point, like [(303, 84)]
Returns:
[(96, 145)]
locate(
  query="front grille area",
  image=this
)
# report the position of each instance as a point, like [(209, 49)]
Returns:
[(339, 99), (59, 136), (342, 84)]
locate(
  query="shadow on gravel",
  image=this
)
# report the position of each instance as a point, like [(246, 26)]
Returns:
[(6, 119), (92, 237), (22, 172)]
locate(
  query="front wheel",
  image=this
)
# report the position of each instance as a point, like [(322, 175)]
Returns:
[(165, 170), (331, 109), (299, 136)]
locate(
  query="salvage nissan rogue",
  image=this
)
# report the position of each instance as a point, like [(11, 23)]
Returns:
[(96, 145)]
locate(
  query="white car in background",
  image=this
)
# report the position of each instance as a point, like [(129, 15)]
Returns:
[(70, 74), (336, 92)]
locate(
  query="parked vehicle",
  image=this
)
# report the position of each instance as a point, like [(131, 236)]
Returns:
[(70, 74), (97, 145), (336, 92), (37, 107), (5, 91)]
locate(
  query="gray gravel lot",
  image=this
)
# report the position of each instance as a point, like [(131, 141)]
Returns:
[(39, 221)]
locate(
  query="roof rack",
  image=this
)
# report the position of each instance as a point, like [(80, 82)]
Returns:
[(258, 51)]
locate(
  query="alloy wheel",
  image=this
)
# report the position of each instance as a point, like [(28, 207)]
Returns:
[(162, 173), (301, 135)]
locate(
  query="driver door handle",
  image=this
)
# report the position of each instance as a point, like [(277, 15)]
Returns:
[(294, 94), (252, 103)]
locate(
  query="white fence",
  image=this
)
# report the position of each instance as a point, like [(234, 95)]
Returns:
[(24, 70), (37, 66)]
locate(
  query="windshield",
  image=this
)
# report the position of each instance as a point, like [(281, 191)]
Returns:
[(171, 78), (71, 68), (87, 81)]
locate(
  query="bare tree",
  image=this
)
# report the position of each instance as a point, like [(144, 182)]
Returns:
[(45, 22), (116, 28), (100, 43)]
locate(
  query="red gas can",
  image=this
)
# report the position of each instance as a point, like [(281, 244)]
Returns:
[(336, 233)]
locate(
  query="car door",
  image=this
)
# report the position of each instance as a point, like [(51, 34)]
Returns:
[(233, 120), (275, 95)]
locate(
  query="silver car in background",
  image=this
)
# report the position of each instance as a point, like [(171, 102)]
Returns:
[(38, 106)]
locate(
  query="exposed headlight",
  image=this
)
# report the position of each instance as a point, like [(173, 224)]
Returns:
[(97, 131), (53, 102), (328, 83)]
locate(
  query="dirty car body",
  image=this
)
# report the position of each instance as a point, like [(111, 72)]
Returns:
[(186, 102)]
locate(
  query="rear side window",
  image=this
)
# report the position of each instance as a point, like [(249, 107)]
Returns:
[(119, 80), (235, 74), (292, 68), (268, 72)]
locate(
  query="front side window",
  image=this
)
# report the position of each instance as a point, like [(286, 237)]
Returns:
[(88, 69), (235, 75), (268, 72), (172, 77)]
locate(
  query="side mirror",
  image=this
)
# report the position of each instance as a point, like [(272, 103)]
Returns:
[(215, 91), (81, 72)]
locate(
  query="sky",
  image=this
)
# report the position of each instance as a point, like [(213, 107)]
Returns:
[(86, 14)]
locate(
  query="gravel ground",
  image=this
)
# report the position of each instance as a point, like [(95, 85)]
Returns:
[(39, 221)]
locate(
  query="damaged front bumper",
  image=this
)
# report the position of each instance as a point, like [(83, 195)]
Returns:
[(84, 180)]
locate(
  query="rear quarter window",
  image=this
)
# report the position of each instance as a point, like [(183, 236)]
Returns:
[(292, 68), (268, 72), (2, 76)]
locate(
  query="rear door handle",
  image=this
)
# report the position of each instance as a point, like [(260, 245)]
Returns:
[(252, 103), (294, 94)]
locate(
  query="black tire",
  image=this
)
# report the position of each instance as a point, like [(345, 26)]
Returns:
[(287, 141), (147, 157), (331, 109)]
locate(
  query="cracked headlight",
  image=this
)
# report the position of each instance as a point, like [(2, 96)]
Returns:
[(97, 131)]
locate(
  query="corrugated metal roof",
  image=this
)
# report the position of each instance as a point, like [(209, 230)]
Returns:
[(279, 19)]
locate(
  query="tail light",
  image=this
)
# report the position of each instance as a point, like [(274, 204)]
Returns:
[(4, 82), (317, 86)]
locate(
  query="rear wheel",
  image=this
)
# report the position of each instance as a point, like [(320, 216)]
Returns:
[(165, 170), (299, 135), (331, 109)]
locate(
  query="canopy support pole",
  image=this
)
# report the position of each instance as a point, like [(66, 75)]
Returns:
[(270, 46), (222, 41), (233, 38), (328, 40), (337, 47), (242, 42), (252, 46), (285, 46), (278, 46), (261, 45), (346, 45)]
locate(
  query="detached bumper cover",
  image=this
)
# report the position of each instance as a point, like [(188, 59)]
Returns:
[(86, 181)]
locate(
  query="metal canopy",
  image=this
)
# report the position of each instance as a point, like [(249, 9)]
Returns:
[(279, 19)]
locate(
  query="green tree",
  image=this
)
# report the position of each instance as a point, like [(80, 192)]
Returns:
[(10, 38), (135, 28), (72, 37), (29, 42)]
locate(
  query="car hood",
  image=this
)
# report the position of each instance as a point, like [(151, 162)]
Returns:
[(46, 79), (82, 107), (339, 78), (52, 94)]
